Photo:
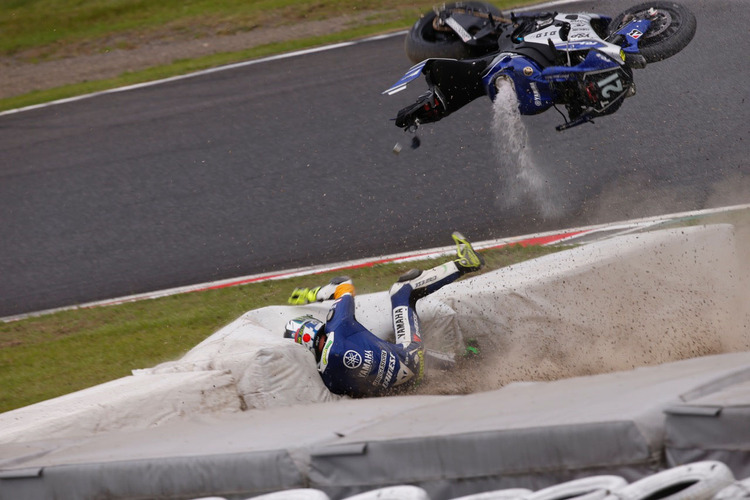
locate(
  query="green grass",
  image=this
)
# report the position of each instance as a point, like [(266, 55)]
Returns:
[(31, 34), (80, 24), (48, 356), (182, 67)]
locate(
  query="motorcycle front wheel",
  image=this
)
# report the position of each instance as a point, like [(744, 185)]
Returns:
[(426, 40), (672, 28)]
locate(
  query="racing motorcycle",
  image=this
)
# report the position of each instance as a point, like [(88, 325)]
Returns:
[(581, 61)]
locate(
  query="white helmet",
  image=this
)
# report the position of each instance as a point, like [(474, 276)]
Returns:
[(307, 331)]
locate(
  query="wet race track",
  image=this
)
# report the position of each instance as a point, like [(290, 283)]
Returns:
[(289, 162)]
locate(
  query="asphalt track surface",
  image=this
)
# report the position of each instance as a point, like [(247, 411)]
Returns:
[(289, 163)]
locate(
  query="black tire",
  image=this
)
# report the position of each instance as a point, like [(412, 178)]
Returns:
[(425, 42), (669, 34)]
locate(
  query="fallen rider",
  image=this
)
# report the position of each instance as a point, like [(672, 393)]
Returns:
[(352, 360)]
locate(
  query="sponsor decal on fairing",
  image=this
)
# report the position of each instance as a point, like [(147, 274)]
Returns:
[(635, 34), (537, 95)]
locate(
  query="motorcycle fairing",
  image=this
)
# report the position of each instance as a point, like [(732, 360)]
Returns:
[(570, 33), (595, 61), (411, 75), (532, 90), (633, 31), (537, 89), (458, 82), (465, 70), (452, 84)]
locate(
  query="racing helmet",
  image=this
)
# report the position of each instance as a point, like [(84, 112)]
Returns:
[(307, 331)]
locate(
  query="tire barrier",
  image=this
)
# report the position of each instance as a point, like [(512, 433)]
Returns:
[(509, 494), (295, 494), (696, 481), (393, 493), (738, 490), (588, 488), (708, 480)]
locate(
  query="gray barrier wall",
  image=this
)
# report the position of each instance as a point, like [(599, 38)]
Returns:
[(245, 413)]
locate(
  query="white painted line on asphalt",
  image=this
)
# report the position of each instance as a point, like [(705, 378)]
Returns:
[(546, 5), (545, 238), (243, 64), (204, 72)]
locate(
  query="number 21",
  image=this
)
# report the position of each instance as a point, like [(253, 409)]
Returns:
[(610, 84)]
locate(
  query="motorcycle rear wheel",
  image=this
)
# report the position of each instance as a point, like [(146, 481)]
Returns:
[(425, 42), (668, 34)]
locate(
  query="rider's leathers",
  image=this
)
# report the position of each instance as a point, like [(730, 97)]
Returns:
[(355, 362)]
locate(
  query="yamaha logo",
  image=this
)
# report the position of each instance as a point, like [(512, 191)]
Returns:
[(352, 359), (399, 323), (537, 95)]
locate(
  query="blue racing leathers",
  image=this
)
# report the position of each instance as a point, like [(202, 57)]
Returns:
[(355, 362)]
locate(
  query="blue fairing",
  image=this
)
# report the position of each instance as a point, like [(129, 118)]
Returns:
[(534, 86), (532, 90), (633, 32), (595, 61)]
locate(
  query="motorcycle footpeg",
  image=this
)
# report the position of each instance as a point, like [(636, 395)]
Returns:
[(574, 123)]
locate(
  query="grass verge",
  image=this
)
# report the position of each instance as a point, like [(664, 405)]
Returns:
[(84, 24), (48, 356), (186, 66)]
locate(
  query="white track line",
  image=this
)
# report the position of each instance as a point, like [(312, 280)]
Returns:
[(245, 64), (621, 228), (201, 73)]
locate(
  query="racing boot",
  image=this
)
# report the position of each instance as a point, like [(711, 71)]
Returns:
[(469, 260), (415, 284)]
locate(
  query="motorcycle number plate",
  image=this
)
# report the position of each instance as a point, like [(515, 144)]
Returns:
[(460, 31)]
